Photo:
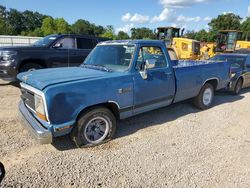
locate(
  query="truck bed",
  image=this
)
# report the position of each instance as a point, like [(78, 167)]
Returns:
[(191, 75)]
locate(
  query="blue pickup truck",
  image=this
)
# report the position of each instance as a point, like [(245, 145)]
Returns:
[(119, 79)]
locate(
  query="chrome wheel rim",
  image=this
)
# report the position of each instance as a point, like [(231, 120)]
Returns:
[(207, 96), (96, 130)]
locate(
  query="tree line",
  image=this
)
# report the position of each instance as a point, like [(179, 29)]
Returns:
[(229, 21), (29, 23)]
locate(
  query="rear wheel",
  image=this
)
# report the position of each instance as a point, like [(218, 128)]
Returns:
[(30, 67), (205, 98), (96, 126), (238, 87)]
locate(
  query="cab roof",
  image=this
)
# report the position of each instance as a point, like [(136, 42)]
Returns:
[(168, 28), (78, 35), (224, 31), (131, 42)]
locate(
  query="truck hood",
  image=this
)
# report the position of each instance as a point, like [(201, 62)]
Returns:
[(46, 77)]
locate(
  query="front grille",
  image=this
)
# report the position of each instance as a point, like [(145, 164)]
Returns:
[(28, 98)]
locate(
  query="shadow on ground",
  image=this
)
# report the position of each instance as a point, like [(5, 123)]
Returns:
[(154, 118), (15, 84)]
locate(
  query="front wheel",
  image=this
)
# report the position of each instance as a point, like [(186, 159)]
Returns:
[(94, 127), (205, 98), (238, 87), (30, 67)]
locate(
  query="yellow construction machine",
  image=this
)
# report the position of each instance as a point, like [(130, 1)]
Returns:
[(183, 47), (230, 40), (227, 41)]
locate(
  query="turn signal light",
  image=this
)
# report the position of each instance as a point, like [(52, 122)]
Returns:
[(41, 116)]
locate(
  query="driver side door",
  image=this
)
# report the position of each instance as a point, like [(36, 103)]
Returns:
[(157, 90), (61, 52)]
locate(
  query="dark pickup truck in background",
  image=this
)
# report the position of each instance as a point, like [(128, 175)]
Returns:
[(59, 50)]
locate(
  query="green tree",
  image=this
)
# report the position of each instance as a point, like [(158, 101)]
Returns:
[(245, 27), (109, 32), (98, 30), (190, 34), (15, 22), (61, 26), (2, 26), (201, 35), (81, 27), (142, 33), (48, 26), (122, 35), (225, 21), (32, 20)]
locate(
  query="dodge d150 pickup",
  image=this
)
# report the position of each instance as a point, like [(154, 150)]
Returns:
[(119, 79)]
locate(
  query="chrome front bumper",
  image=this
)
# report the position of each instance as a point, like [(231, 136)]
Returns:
[(41, 134)]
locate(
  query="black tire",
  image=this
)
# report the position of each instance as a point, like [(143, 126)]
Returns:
[(199, 100), (79, 133), (2, 172), (238, 86), (29, 67)]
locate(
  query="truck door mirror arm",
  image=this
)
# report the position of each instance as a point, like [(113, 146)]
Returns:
[(149, 64)]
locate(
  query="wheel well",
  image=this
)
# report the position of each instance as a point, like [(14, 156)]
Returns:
[(113, 107), (213, 82), (37, 61)]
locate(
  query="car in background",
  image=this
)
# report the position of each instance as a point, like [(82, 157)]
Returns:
[(240, 69), (57, 50), (243, 51)]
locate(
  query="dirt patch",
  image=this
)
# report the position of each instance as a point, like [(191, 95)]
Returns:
[(177, 146)]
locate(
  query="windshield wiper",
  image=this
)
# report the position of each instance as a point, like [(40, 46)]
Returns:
[(100, 67)]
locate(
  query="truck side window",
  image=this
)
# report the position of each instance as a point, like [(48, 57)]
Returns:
[(147, 53), (84, 43), (66, 43)]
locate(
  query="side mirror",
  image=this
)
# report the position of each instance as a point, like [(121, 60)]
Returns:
[(150, 63), (58, 45)]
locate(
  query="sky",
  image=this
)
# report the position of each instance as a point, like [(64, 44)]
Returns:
[(126, 14)]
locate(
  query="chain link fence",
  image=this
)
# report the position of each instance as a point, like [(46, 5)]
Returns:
[(6, 40)]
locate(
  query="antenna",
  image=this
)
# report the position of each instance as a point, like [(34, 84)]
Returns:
[(68, 53)]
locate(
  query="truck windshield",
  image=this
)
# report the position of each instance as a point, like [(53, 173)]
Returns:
[(112, 57), (45, 41)]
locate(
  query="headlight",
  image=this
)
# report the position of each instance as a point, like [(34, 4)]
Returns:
[(233, 75), (7, 55), (39, 107)]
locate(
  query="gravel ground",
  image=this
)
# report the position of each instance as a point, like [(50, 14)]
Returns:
[(177, 146)]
